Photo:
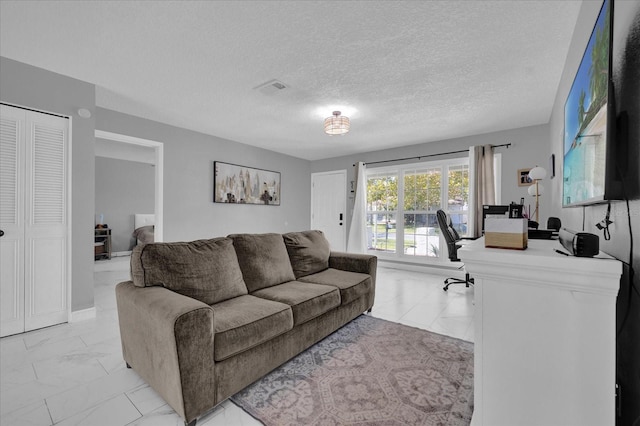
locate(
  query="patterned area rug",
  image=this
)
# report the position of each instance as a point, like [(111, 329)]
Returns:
[(372, 372)]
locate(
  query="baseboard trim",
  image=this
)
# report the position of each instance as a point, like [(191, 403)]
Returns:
[(121, 253), (83, 314), (413, 267)]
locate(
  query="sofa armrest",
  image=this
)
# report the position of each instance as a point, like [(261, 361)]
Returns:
[(167, 338), (362, 263)]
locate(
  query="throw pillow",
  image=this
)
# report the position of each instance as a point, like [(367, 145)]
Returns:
[(309, 252), (263, 260), (206, 270)]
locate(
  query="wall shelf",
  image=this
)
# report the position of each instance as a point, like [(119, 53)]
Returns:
[(102, 243)]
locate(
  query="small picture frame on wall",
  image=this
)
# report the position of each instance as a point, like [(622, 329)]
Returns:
[(523, 177)]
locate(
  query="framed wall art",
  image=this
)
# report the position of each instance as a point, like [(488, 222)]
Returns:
[(523, 177), (234, 184)]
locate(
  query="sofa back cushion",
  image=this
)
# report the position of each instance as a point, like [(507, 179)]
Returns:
[(308, 251), (206, 270), (263, 260)]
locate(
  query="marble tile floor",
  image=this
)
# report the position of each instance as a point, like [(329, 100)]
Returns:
[(73, 374)]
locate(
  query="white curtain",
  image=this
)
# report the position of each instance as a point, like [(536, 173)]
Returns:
[(357, 240), (482, 185)]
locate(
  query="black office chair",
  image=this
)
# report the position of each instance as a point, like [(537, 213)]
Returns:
[(454, 241), (554, 224)]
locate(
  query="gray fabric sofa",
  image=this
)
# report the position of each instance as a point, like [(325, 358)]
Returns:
[(201, 320)]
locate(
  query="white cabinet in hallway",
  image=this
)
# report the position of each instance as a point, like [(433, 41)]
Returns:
[(33, 219)]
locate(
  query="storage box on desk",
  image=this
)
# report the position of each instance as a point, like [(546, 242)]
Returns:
[(506, 233)]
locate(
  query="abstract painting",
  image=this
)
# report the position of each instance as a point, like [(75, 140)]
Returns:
[(233, 184)]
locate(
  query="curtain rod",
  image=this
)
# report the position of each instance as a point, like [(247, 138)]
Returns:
[(432, 155)]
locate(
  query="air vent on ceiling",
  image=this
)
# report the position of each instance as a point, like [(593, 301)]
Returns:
[(271, 87)]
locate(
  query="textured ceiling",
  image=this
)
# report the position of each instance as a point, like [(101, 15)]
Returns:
[(406, 72)]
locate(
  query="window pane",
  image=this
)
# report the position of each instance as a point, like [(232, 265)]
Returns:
[(422, 193), (434, 199), (458, 197), (381, 232), (382, 202), (422, 189), (458, 188), (419, 238), (382, 193), (410, 191), (459, 222), (434, 189)]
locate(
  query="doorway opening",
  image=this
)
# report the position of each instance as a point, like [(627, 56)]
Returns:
[(111, 147)]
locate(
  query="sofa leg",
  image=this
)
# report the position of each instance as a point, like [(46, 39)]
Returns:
[(128, 366), (191, 423), (370, 309)]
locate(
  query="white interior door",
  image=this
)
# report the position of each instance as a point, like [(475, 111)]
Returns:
[(33, 217), (328, 206), (46, 226), (12, 156)]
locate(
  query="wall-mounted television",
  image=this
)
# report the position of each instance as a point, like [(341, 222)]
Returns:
[(589, 162)]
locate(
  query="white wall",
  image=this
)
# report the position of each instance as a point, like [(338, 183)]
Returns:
[(530, 147), (125, 151), (189, 211), (123, 188), (33, 87), (626, 79)]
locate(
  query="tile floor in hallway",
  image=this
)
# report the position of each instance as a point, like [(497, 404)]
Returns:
[(73, 374)]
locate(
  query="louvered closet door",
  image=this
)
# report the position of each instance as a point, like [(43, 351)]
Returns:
[(36, 279), (46, 229), (12, 161)]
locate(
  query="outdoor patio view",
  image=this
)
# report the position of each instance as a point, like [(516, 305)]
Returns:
[(402, 206)]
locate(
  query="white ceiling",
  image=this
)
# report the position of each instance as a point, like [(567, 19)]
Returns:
[(406, 72)]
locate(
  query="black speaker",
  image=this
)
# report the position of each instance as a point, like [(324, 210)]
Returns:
[(580, 244), (554, 223)]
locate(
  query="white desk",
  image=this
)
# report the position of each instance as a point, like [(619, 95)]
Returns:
[(544, 336)]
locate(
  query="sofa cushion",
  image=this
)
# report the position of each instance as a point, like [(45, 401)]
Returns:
[(206, 270), (352, 285), (247, 321), (308, 251), (263, 260), (306, 301)]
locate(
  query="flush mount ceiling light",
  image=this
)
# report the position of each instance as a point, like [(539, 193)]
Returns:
[(336, 124)]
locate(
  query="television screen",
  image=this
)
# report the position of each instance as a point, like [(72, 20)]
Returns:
[(588, 121)]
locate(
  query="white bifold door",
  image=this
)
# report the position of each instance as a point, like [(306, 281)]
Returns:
[(33, 219)]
